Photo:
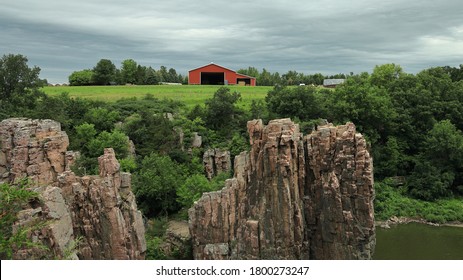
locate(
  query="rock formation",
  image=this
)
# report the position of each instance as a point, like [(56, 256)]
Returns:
[(95, 214), (177, 241), (291, 198), (196, 141), (216, 161)]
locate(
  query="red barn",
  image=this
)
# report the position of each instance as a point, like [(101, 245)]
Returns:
[(213, 74)]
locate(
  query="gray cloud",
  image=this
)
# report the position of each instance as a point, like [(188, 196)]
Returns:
[(307, 36)]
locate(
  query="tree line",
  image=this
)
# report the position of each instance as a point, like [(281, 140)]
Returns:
[(290, 78), (105, 72)]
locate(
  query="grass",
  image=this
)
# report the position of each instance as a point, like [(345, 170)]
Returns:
[(391, 201), (190, 95)]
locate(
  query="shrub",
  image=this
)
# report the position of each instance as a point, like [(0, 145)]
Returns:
[(12, 199)]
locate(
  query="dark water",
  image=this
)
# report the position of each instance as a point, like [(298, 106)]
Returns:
[(419, 242)]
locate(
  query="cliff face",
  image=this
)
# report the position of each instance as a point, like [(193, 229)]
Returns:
[(216, 161), (291, 198), (96, 214)]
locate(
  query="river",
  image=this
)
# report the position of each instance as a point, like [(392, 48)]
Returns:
[(415, 241)]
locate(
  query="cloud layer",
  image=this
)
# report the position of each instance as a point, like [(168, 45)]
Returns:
[(307, 36)]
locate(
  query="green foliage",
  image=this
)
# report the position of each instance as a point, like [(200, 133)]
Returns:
[(429, 182), (444, 145), (259, 110), (115, 139), (391, 159), (102, 118), (197, 112), (92, 145), (218, 182), (154, 236), (391, 201), (84, 134), (81, 78), (456, 74), (148, 104), (156, 183), (369, 107), (151, 133), (192, 189), (296, 102), (154, 249), (221, 110), (188, 127), (128, 164), (238, 144), (384, 75), (438, 169), (12, 199), (129, 71), (19, 85), (68, 111), (104, 72)]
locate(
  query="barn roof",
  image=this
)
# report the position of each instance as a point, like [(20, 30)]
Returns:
[(333, 82), (228, 69)]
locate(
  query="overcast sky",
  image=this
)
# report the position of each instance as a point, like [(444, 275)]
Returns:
[(337, 36)]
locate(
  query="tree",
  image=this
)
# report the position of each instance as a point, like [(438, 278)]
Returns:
[(264, 79), (19, 84), (368, 106), (92, 145), (84, 134), (129, 71), (152, 78), (104, 72), (438, 169), (291, 78), (192, 189), (299, 102), (141, 76), (102, 118), (251, 71), (115, 139), (172, 76), (150, 132), (81, 78), (221, 111), (155, 185), (163, 75), (385, 74)]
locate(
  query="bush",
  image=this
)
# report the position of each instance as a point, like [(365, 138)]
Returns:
[(392, 201), (12, 199), (156, 183), (192, 189)]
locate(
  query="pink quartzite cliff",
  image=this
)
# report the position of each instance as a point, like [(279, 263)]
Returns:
[(292, 197), (89, 217)]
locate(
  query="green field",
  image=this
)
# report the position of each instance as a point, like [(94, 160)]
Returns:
[(190, 95)]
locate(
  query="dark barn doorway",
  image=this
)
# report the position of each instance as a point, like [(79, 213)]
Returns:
[(212, 78), (243, 81)]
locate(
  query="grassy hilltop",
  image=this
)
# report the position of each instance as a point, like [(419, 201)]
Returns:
[(190, 95)]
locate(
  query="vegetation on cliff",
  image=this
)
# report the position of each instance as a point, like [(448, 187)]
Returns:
[(13, 197)]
